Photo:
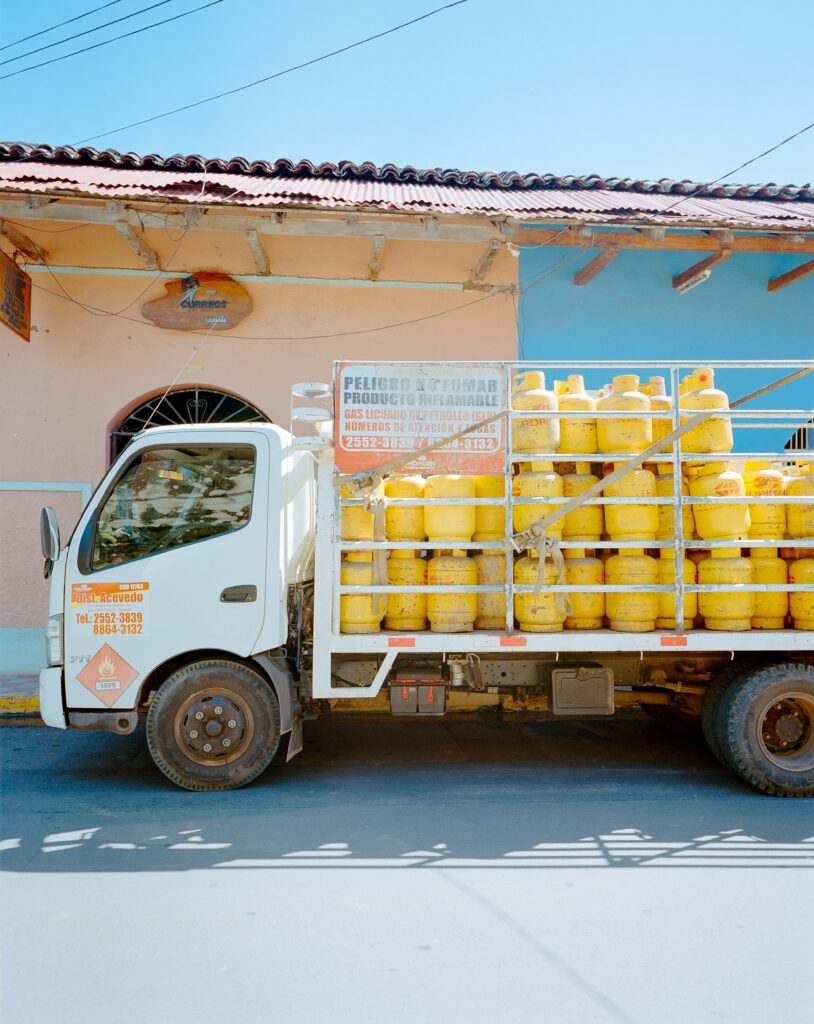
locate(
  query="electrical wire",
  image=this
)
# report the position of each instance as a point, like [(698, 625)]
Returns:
[(277, 74), (87, 32), (124, 35), (59, 24)]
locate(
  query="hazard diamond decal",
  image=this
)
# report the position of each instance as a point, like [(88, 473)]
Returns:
[(107, 675)]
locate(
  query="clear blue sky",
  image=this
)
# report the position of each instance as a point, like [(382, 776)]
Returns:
[(630, 88)]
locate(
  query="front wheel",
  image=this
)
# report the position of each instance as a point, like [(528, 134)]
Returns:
[(767, 731), (213, 725)]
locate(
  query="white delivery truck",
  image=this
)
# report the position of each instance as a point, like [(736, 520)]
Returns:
[(229, 581)]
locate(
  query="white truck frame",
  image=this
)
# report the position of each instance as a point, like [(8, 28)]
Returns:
[(567, 672)]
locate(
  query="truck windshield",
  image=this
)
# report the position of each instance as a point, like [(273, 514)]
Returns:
[(167, 497)]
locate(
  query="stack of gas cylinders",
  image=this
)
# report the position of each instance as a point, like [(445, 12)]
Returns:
[(567, 455)]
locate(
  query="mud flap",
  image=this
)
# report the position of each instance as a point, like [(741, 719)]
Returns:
[(295, 736)]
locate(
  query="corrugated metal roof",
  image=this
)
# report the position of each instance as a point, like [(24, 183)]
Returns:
[(391, 189)]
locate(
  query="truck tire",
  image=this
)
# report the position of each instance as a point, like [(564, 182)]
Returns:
[(213, 725), (767, 728), (677, 719), (711, 715)]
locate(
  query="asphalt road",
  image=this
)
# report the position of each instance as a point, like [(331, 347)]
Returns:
[(468, 869)]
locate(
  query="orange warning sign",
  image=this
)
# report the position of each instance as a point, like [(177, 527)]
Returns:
[(107, 675), (384, 410)]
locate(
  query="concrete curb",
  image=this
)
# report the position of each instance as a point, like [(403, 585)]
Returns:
[(19, 697)]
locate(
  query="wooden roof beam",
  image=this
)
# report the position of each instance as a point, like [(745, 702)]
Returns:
[(596, 265), (690, 240), (700, 271), (374, 265), (790, 277), (261, 261), (146, 254)]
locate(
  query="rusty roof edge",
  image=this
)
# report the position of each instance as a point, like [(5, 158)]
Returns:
[(390, 173)]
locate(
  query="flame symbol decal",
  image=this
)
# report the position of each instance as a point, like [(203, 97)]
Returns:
[(107, 668)]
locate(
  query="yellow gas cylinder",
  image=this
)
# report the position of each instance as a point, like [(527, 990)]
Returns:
[(491, 607), (715, 433), (620, 434), (587, 609), (768, 519), (490, 520), (534, 434), (354, 522), (667, 575), (802, 605), (632, 522), (719, 522), (406, 611), (633, 612), (660, 402), (452, 613), (449, 522), (560, 387), (404, 522), (666, 513), (771, 609), (801, 517), (538, 481), (577, 435), (359, 613), (726, 609), (588, 521), (540, 613)]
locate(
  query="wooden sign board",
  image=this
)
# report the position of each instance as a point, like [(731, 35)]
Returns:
[(384, 410), (205, 301), (15, 298)]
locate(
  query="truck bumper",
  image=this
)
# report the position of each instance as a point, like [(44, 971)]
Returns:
[(52, 708)]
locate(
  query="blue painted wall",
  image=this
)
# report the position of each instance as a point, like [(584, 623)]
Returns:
[(630, 312)]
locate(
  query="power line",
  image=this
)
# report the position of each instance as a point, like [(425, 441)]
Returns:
[(59, 24), (277, 74), (87, 32), (124, 35)]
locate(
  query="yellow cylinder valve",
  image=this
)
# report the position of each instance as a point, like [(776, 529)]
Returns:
[(632, 612), (713, 521), (539, 613), (771, 609), (587, 522), (587, 609), (623, 434), (450, 522), (540, 481), (452, 613), (406, 611), (535, 434), (404, 522), (667, 604), (725, 609), (577, 435), (715, 433), (490, 520), (632, 522), (359, 613), (802, 605), (491, 607)]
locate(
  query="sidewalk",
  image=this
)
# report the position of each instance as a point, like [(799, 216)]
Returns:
[(19, 696)]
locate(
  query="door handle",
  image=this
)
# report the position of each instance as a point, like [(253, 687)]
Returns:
[(245, 593)]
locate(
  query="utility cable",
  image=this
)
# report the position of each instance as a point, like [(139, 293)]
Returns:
[(269, 78), (59, 24), (124, 35), (87, 32)]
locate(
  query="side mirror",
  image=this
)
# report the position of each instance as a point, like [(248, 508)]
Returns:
[(49, 538)]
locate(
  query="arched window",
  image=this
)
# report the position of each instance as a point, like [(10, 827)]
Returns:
[(183, 405)]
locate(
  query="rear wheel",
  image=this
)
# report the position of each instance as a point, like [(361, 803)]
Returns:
[(711, 713), (767, 731), (213, 725)]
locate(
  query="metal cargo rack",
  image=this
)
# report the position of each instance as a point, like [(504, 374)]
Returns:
[(387, 645)]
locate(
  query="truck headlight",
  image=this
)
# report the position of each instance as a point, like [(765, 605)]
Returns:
[(53, 640)]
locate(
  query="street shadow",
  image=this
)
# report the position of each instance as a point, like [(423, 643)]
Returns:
[(471, 791)]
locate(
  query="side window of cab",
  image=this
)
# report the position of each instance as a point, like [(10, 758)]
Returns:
[(172, 496)]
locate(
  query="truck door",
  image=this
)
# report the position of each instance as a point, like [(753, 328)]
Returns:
[(169, 557)]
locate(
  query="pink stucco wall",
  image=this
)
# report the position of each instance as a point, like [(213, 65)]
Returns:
[(61, 392)]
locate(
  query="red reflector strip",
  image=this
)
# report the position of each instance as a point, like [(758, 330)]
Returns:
[(673, 641), (512, 641), (401, 641)]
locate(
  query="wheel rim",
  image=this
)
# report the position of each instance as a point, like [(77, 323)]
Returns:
[(213, 726), (786, 731)]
